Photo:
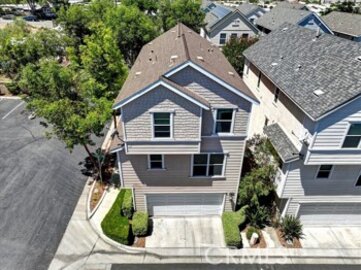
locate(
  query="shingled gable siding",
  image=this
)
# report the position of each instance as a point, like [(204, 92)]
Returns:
[(137, 115), (176, 176), (301, 181), (227, 27), (294, 122), (218, 97), (331, 134)]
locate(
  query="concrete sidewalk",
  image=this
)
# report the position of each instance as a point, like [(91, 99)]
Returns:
[(82, 248)]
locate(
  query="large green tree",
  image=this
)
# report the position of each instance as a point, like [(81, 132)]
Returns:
[(233, 50), (185, 11)]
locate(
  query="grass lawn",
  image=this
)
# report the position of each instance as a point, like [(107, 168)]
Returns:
[(116, 226)]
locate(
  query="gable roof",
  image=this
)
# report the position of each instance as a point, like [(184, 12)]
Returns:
[(247, 8), (299, 62), (342, 22), (278, 16), (177, 47), (215, 13)]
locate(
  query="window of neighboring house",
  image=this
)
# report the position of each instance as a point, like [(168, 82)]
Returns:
[(324, 171), (245, 35), (247, 63), (224, 120), (208, 165), (155, 162), (251, 20), (276, 95), (353, 137), (235, 25), (233, 35), (162, 126), (222, 38), (358, 183), (259, 79), (266, 120)]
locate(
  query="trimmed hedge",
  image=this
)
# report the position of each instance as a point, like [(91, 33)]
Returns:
[(250, 231), (114, 225), (127, 206), (231, 222), (140, 223)]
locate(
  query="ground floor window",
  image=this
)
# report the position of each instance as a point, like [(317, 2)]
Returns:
[(208, 164), (155, 162), (324, 171)]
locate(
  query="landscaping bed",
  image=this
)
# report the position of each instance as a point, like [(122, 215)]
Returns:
[(96, 195), (295, 244), (261, 243)]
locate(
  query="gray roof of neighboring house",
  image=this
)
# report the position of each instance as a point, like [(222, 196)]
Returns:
[(299, 62), (215, 13), (277, 16), (247, 8), (342, 22), (172, 49), (282, 144), (290, 5)]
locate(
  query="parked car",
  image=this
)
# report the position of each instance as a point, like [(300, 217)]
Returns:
[(30, 18), (8, 17)]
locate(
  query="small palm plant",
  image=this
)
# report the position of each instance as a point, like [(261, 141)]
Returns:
[(291, 228)]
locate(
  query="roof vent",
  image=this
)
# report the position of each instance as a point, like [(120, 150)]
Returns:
[(318, 92), (200, 58), (173, 57), (284, 29), (274, 64), (358, 58), (231, 73), (298, 68)]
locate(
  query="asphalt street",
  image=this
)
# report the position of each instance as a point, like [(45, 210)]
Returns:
[(40, 183), (232, 267)]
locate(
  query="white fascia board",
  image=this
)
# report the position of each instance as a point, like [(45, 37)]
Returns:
[(150, 88), (211, 76)]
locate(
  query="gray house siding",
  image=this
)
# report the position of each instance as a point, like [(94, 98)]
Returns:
[(176, 176), (331, 131), (218, 97)]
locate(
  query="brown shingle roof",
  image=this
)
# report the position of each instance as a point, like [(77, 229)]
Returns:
[(173, 48)]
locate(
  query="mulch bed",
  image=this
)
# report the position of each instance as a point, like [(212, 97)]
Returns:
[(296, 243), (96, 194), (139, 242)]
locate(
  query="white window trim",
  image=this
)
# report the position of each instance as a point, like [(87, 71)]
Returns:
[(345, 135), (155, 169), (329, 176), (220, 38), (231, 133), (208, 159), (171, 126)]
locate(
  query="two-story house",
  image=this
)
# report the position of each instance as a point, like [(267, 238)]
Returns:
[(223, 23), (309, 87), (183, 116)]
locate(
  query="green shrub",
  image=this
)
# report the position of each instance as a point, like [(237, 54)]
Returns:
[(127, 206), (250, 231), (140, 223), (291, 228), (258, 216), (231, 222), (114, 225)]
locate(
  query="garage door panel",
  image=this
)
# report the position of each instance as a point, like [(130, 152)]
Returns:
[(184, 204), (330, 214)]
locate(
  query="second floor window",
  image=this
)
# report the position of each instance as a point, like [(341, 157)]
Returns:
[(222, 38), (259, 79), (208, 165), (224, 121), (353, 137), (162, 126), (276, 95), (324, 171)]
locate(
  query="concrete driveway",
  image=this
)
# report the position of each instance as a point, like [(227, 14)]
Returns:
[(332, 237), (186, 232)]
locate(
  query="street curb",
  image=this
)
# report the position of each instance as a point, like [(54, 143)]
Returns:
[(10, 97)]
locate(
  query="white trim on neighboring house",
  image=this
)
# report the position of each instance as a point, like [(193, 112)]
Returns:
[(211, 76), (153, 86)]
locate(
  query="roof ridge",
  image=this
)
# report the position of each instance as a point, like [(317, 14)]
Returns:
[(185, 46)]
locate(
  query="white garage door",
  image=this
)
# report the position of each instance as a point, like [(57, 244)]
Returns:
[(184, 204), (330, 214)]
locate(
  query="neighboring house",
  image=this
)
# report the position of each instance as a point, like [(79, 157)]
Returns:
[(291, 5), (251, 11), (309, 87), (345, 25), (280, 15), (223, 23), (183, 123)]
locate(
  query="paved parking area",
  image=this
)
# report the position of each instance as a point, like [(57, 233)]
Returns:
[(332, 237), (186, 232), (40, 183)]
